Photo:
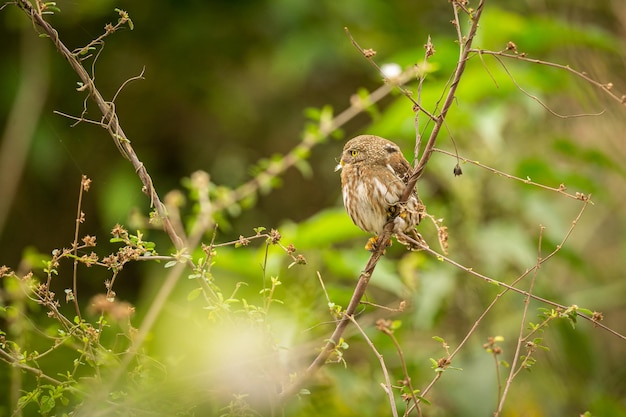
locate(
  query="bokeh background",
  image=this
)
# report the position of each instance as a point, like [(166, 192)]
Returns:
[(228, 83)]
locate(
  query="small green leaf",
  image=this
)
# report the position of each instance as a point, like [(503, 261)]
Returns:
[(193, 294), (46, 404), (396, 324), (424, 400)]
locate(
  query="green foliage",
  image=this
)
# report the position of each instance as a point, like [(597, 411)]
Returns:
[(265, 289)]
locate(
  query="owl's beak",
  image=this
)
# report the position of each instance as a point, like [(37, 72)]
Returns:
[(339, 165)]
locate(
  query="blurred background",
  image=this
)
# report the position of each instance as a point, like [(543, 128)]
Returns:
[(228, 84)]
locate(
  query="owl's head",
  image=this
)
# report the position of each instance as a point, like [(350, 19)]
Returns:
[(367, 149)]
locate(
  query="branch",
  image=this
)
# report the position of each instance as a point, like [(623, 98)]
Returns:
[(520, 340), (460, 68), (330, 345), (510, 287), (561, 189), (109, 119), (387, 385), (606, 87)]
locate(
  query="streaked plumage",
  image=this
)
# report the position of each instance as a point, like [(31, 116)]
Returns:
[(374, 174)]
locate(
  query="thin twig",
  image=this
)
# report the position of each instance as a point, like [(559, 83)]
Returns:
[(369, 54), (128, 81), (490, 280), (507, 288), (520, 340), (430, 51), (110, 120), (561, 189), (6, 357), (538, 100), (341, 325), (460, 68), (79, 219), (606, 87), (387, 385), (382, 326)]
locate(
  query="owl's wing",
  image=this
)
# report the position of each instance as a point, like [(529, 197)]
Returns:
[(400, 166)]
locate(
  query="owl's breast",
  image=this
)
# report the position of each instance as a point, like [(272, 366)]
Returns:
[(368, 191)]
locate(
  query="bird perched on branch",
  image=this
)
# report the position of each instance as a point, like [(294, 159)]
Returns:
[(374, 174)]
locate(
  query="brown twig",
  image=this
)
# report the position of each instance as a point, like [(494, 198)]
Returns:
[(80, 218), (520, 340), (511, 287), (341, 325), (606, 87), (383, 326), (561, 189), (369, 55), (465, 48), (387, 385), (530, 270), (537, 99), (109, 118)]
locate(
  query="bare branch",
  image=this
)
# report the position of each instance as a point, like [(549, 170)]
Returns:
[(606, 87), (369, 55), (109, 121), (538, 100), (520, 339), (381, 359), (460, 68), (561, 189)]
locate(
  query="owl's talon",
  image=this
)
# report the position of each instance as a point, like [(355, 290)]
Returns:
[(372, 244)]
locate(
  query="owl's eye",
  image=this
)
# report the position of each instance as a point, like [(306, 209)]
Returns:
[(354, 153)]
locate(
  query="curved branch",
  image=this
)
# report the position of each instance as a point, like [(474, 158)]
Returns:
[(109, 119)]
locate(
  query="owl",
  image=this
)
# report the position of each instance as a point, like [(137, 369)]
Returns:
[(374, 174)]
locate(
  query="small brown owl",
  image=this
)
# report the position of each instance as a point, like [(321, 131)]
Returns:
[(374, 174)]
